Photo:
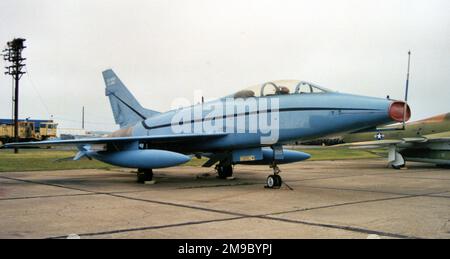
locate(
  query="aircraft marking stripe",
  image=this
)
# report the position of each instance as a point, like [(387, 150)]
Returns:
[(255, 112)]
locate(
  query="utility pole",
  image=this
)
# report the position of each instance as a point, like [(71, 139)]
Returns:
[(13, 54)]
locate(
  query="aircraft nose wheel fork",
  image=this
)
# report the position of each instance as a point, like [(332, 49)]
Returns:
[(274, 181)]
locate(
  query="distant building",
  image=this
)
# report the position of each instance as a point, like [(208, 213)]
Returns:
[(72, 133)]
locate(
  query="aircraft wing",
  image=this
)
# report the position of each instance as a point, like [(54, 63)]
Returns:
[(146, 139), (439, 137), (381, 143), (372, 144)]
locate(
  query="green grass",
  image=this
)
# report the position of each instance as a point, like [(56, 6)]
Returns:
[(44, 159)]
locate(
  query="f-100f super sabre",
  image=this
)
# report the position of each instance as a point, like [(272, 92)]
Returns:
[(247, 127), (426, 141)]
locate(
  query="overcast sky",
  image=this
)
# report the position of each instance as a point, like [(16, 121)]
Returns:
[(170, 48)]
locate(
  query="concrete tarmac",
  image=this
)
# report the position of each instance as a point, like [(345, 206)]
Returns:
[(326, 199)]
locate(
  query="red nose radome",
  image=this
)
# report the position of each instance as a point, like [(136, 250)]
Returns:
[(397, 111)]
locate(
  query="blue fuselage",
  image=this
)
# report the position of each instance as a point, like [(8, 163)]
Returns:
[(300, 117)]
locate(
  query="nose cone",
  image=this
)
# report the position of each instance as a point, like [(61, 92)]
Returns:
[(399, 111), (362, 113), (291, 156)]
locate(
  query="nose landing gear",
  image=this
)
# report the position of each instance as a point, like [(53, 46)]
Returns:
[(274, 181)]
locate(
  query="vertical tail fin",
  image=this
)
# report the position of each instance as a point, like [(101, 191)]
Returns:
[(126, 109)]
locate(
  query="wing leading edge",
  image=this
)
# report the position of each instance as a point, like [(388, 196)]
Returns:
[(440, 137), (106, 140)]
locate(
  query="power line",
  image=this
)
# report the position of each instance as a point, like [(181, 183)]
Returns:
[(48, 110), (79, 121), (37, 93)]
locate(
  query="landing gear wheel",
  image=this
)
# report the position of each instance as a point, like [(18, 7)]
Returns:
[(274, 181), (144, 175), (278, 181), (398, 167), (225, 171)]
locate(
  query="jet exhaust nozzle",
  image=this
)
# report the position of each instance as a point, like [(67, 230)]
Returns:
[(398, 112)]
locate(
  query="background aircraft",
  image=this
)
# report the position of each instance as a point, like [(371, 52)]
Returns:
[(426, 141), (300, 110)]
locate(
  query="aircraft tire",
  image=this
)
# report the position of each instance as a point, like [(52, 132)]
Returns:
[(278, 181), (273, 181), (144, 175), (270, 182), (225, 171), (398, 167)]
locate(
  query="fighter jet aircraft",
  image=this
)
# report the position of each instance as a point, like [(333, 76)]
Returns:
[(425, 141), (247, 127)]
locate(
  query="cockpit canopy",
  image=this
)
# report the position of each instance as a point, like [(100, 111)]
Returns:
[(281, 87)]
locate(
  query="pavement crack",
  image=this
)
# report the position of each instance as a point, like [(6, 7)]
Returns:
[(111, 232), (347, 228), (353, 203)]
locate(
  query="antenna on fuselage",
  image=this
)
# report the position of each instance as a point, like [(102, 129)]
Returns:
[(405, 109)]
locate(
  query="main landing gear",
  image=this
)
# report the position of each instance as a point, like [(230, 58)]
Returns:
[(396, 159), (224, 171), (144, 175), (274, 180), (398, 167)]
